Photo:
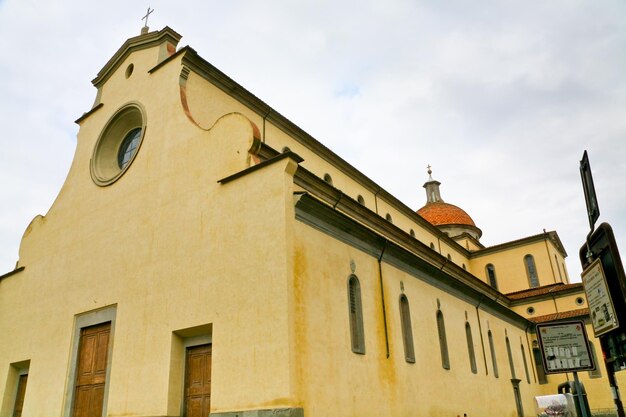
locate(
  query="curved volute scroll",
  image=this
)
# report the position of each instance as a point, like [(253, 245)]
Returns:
[(211, 111)]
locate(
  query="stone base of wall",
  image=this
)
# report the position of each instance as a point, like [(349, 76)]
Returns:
[(273, 412)]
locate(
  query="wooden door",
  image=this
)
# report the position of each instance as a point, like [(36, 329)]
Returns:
[(198, 381), (19, 399), (91, 370)]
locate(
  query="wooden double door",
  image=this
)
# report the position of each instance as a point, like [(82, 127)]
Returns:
[(91, 370), (198, 381)]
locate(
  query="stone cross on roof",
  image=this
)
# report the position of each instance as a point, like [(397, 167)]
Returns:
[(145, 27)]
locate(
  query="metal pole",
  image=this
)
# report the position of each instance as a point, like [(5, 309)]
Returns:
[(606, 344), (615, 392), (580, 396)]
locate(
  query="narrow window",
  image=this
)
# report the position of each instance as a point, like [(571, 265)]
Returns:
[(449, 257), (525, 363), (493, 354), (510, 354), (491, 276), (328, 179), (388, 217), (531, 271), (596, 373), (470, 347), (541, 373), (443, 341), (19, 398), (356, 315), (432, 245), (412, 233), (360, 199), (407, 332)]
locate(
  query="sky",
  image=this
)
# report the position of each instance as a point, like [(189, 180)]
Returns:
[(501, 97)]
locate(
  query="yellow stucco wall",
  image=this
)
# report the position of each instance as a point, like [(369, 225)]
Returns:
[(171, 248), (332, 377), (510, 269)]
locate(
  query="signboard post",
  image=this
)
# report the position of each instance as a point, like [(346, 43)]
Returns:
[(605, 286), (601, 308), (565, 348)]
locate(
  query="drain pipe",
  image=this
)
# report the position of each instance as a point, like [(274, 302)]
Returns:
[(382, 296), (480, 330), (264, 118), (338, 200)]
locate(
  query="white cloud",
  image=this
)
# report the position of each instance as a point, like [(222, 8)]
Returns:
[(500, 97)]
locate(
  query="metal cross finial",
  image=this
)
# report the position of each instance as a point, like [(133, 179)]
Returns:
[(146, 17), (430, 172)]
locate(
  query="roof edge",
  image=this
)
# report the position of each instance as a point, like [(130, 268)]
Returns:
[(135, 43)]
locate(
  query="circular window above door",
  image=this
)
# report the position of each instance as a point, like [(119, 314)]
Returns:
[(118, 144)]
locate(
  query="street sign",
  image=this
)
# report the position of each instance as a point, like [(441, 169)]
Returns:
[(593, 211), (601, 308), (601, 245), (565, 347)]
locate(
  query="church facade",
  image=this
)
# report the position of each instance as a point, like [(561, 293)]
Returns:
[(206, 256)]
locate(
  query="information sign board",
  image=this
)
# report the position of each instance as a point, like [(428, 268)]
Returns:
[(564, 347), (601, 309)]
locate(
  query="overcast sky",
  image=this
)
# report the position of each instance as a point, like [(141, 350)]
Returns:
[(500, 97)]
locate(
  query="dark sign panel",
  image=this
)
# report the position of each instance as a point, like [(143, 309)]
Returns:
[(593, 211)]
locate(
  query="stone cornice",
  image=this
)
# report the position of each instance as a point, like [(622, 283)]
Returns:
[(552, 236), (417, 260), (15, 271)]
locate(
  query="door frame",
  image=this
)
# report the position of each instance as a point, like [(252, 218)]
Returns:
[(190, 342), (82, 320)]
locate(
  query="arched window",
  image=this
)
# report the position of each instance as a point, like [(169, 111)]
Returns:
[(510, 354), (407, 332), (412, 233), (432, 245), (470, 347), (493, 354), (388, 217), (328, 179), (356, 315), (525, 363), (360, 199), (531, 271), (443, 341), (491, 275)]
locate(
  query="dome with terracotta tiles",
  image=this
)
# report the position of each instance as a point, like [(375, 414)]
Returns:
[(450, 219), (440, 213)]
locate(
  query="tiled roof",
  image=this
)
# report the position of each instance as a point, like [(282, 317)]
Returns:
[(560, 316), (440, 213), (546, 289)]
